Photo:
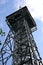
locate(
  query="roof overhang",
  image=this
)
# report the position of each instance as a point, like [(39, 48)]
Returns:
[(23, 12)]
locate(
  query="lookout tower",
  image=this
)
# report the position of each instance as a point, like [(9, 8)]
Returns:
[(25, 51), (22, 25)]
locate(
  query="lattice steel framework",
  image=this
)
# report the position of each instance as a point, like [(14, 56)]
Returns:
[(23, 50), (7, 49), (20, 45)]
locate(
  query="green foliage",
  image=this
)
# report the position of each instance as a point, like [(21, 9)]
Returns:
[(2, 34), (0, 31), (0, 43)]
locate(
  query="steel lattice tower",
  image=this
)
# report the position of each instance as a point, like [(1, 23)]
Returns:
[(20, 44)]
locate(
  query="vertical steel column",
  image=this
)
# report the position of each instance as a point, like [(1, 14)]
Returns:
[(21, 56)]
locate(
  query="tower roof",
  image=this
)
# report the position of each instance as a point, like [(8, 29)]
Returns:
[(19, 14)]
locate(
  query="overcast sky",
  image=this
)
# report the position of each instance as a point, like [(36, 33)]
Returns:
[(36, 9)]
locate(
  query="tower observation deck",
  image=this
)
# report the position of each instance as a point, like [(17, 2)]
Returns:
[(25, 51)]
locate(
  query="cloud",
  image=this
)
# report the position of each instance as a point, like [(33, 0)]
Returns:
[(41, 19), (42, 30), (2, 1), (18, 3), (36, 8)]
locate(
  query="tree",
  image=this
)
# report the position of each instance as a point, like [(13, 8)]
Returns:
[(2, 34)]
